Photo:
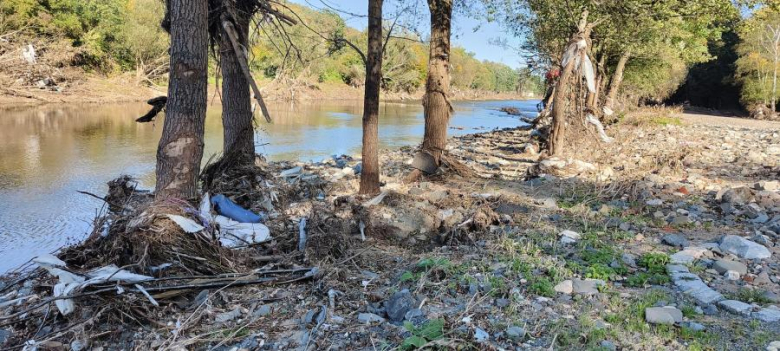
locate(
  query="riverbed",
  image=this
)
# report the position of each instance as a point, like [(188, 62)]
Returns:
[(49, 153)]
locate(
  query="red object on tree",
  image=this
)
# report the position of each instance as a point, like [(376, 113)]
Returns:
[(553, 74)]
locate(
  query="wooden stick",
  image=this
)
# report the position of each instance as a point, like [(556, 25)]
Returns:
[(242, 61)]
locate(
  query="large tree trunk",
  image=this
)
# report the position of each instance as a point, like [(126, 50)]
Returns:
[(237, 117), (437, 108), (559, 106), (369, 178), (181, 145), (617, 79)]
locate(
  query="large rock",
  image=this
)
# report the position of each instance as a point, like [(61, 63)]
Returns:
[(768, 315), (740, 195), (565, 287), (663, 315), (723, 266), (688, 255), (744, 248), (737, 307), (587, 286), (675, 240), (691, 285), (398, 304)]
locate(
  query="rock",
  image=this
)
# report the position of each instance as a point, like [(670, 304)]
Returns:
[(737, 307), (564, 287), (770, 296), (654, 202), (663, 315), (436, 196), (628, 259), (688, 255), (75, 345), (762, 240), (398, 304), (675, 240), (732, 275), (768, 315), (768, 185), (739, 195), (773, 346), (515, 332), (694, 326), (502, 303), (762, 279), (587, 286), (414, 315), (691, 285), (481, 335), (723, 266), (262, 311), (4, 336), (676, 268), (228, 316), (369, 318), (744, 248), (570, 234), (608, 345), (710, 310)]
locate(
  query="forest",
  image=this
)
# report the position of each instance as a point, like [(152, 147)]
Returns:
[(630, 202)]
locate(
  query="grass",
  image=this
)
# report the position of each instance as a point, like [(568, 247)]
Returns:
[(750, 296)]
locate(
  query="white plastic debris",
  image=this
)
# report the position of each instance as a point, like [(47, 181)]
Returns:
[(28, 53), (589, 73), (376, 200), (186, 224), (205, 207), (292, 172), (602, 134), (233, 234), (571, 51)]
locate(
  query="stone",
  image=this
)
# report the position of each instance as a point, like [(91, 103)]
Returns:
[(744, 248), (608, 345), (768, 185), (739, 195), (768, 315), (369, 318), (773, 346), (710, 310), (731, 275), (675, 240), (688, 255), (770, 296), (587, 286), (481, 335), (691, 285), (628, 259), (414, 315), (736, 307), (564, 287), (654, 202), (723, 266), (694, 326), (676, 268), (502, 303), (4, 336), (571, 234), (663, 315), (262, 311), (398, 304), (515, 332), (75, 345), (228, 316)]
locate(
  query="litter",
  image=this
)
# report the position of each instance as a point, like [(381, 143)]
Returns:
[(229, 209), (234, 234), (186, 224)]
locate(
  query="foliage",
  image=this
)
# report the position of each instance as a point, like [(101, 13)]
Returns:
[(430, 331), (654, 262), (757, 64)]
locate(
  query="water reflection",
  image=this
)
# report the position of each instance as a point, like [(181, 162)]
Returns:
[(48, 153)]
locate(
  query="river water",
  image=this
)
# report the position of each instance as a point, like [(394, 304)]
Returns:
[(48, 153)]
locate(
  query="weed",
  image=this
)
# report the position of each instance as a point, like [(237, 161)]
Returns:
[(654, 262), (750, 296), (431, 330), (542, 286), (600, 271)]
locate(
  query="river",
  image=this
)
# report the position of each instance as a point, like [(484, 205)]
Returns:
[(48, 153)]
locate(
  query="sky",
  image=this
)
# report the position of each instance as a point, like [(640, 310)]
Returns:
[(474, 36)]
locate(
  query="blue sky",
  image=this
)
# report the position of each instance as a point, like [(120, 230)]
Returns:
[(464, 34)]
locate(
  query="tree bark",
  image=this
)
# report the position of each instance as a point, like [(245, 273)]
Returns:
[(617, 79), (559, 105), (181, 146), (369, 177), (437, 108), (237, 117)]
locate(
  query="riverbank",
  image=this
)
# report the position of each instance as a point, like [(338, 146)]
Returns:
[(665, 239), (93, 89)]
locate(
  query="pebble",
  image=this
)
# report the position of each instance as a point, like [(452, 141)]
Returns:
[(228, 316), (564, 287), (675, 240), (481, 335), (587, 286), (398, 304), (515, 332), (723, 266)]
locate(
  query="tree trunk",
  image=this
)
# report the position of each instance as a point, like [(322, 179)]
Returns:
[(617, 79), (774, 81), (369, 177), (555, 141), (181, 145), (237, 117), (593, 98), (437, 108)]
